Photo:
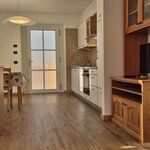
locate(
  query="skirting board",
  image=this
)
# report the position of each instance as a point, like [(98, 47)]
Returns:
[(106, 117)]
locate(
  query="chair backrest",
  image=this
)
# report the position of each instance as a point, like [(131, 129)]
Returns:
[(7, 77)]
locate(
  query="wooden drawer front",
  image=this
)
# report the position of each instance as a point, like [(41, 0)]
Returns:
[(93, 94), (118, 109), (93, 80), (133, 116), (93, 71)]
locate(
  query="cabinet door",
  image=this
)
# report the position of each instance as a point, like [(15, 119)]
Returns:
[(132, 7), (93, 80), (134, 15), (137, 14), (82, 35), (133, 116), (99, 10), (146, 11), (79, 36), (93, 94), (75, 80), (118, 109)]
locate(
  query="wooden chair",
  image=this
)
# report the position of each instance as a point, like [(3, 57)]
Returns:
[(7, 86), (17, 81)]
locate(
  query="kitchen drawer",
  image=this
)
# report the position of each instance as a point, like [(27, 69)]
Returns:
[(93, 94), (93, 71), (93, 80)]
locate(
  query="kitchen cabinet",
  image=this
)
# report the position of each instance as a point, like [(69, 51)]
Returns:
[(130, 99), (75, 80), (137, 14), (99, 97), (91, 30), (93, 86), (82, 43), (100, 10), (91, 26), (93, 94)]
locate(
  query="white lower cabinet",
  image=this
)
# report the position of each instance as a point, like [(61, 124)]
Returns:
[(93, 94), (99, 98), (75, 80)]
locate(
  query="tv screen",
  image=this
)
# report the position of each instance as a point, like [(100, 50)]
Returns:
[(145, 58)]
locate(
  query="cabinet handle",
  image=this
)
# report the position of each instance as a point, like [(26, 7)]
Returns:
[(93, 89), (92, 77)]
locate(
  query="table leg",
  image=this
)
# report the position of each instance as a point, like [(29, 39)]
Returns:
[(19, 97)]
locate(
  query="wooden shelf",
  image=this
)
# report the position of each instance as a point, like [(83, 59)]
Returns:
[(126, 95), (128, 89)]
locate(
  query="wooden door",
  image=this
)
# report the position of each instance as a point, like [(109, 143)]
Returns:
[(133, 116), (119, 109)]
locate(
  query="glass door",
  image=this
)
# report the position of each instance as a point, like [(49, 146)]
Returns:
[(43, 62), (146, 12), (132, 12)]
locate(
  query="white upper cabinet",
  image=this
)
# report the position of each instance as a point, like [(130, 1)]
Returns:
[(75, 80), (82, 35), (99, 10)]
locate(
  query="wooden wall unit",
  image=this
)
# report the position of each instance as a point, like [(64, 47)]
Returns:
[(131, 106), (137, 23), (132, 50)]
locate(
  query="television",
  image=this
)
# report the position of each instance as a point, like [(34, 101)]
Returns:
[(145, 59)]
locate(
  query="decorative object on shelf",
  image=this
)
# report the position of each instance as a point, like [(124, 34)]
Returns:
[(19, 19)]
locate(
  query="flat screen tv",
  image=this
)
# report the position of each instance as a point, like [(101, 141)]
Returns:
[(145, 59)]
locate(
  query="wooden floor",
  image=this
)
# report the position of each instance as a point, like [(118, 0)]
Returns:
[(61, 122)]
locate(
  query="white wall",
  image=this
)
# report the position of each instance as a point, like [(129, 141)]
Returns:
[(90, 10), (114, 47), (10, 34)]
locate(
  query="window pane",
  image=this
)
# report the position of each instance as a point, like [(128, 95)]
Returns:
[(37, 80), (49, 40), (50, 59), (37, 59), (50, 79), (36, 39)]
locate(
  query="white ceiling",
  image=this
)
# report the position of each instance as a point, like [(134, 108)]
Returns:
[(44, 6)]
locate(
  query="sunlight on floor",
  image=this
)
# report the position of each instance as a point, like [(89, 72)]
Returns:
[(128, 147)]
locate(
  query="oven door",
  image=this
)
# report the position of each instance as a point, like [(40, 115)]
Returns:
[(81, 82), (86, 81)]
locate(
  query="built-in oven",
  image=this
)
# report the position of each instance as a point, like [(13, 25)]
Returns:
[(84, 81)]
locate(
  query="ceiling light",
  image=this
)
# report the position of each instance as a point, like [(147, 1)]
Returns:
[(20, 20)]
